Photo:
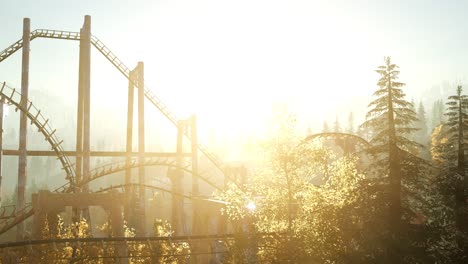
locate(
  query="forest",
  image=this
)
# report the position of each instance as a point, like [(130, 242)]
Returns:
[(407, 205)]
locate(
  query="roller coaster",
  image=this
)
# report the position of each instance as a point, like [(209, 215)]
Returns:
[(78, 175)]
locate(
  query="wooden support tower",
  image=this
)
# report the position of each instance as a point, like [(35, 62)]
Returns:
[(128, 172), (141, 231), (85, 52), (135, 209), (176, 176), (2, 102), (83, 110), (196, 221), (22, 160)]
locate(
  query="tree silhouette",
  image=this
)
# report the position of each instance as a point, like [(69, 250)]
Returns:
[(437, 113), (350, 123), (422, 125), (325, 128), (336, 125), (457, 132), (390, 117)]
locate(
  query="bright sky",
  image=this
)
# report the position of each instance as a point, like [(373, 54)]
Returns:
[(230, 61)]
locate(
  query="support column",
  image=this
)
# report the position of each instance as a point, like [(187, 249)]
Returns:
[(196, 223), (141, 147), (118, 231), (128, 171), (22, 161), (84, 102), (79, 122), (2, 101), (76, 212), (178, 202), (85, 41), (197, 215), (40, 202)]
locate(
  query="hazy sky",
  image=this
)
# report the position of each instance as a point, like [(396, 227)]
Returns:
[(229, 61)]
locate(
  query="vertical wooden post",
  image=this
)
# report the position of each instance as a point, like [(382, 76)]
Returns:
[(79, 125), (195, 190), (2, 100), (83, 112), (128, 171), (197, 226), (118, 231), (22, 161), (141, 147), (39, 202), (79, 120), (85, 39), (194, 151), (176, 177)]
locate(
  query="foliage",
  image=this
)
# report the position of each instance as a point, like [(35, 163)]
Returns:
[(325, 223), (163, 251)]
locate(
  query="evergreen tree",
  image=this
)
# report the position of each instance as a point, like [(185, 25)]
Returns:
[(390, 117), (336, 125), (325, 128), (413, 136), (457, 133), (437, 113), (351, 123), (421, 124), (412, 107), (448, 152)]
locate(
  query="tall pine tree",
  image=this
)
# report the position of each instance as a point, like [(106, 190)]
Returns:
[(421, 124), (336, 125), (390, 117), (325, 128), (457, 134), (437, 113), (351, 123)]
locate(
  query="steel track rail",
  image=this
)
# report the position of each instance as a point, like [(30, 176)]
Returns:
[(35, 116), (338, 135), (112, 168)]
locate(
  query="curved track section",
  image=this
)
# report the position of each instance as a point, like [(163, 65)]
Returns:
[(16, 218), (7, 211), (35, 116), (42, 33), (111, 168), (347, 142), (122, 68), (9, 216), (136, 185)]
